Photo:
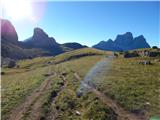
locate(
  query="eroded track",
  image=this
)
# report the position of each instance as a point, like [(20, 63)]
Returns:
[(121, 112), (32, 102)]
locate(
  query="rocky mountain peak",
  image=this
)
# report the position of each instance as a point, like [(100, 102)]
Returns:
[(140, 37), (40, 39), (123, 42), (38, 31), (110, 41), (39, 44), (39, 34), (129, 34), (8, 32)]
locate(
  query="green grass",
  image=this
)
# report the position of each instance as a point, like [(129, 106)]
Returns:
[(34, 63), (43, 61), (88, 105), (98, 111), (84, 51), (130, 84), (16, 86), (133, 85), (17, 83)]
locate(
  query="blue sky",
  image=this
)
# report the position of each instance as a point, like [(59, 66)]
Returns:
[(90, 22)]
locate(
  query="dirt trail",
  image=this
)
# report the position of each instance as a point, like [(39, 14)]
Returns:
[(50, 115), (21, 109), (35, 109), (122, 114)]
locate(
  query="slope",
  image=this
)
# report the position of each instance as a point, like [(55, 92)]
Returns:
[(56, 96)]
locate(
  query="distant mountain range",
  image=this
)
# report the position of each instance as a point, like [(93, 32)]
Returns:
[(40, 44), (123, 42)]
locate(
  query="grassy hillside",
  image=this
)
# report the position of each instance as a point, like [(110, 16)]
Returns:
[(17, 83), (47, 87), (134, 86), (16, 52), (43, 61)]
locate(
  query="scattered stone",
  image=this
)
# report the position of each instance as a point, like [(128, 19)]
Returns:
[(148, 103), (49, 62), (130, 55), (47, 74), (17, 66), (30, 57), (154, 54), (61, 83), (143, 53), (78, 113), (139, 111), (79, 94), (11, 64), (2, 73), (64, 73), (145, 62), (53, 94), (115, 55), (57, 107)]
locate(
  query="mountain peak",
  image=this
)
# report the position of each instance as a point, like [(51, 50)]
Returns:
[(110, 40), (128, 34), (8, 32), (40, 39), (140, 36), (125, 36), (140, 42), (123, 42), (39, 32)]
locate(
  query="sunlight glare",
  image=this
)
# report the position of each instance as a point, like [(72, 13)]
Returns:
[(18, 9)]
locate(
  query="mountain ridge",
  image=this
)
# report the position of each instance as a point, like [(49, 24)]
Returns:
[(123, 42), (39, 44)]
